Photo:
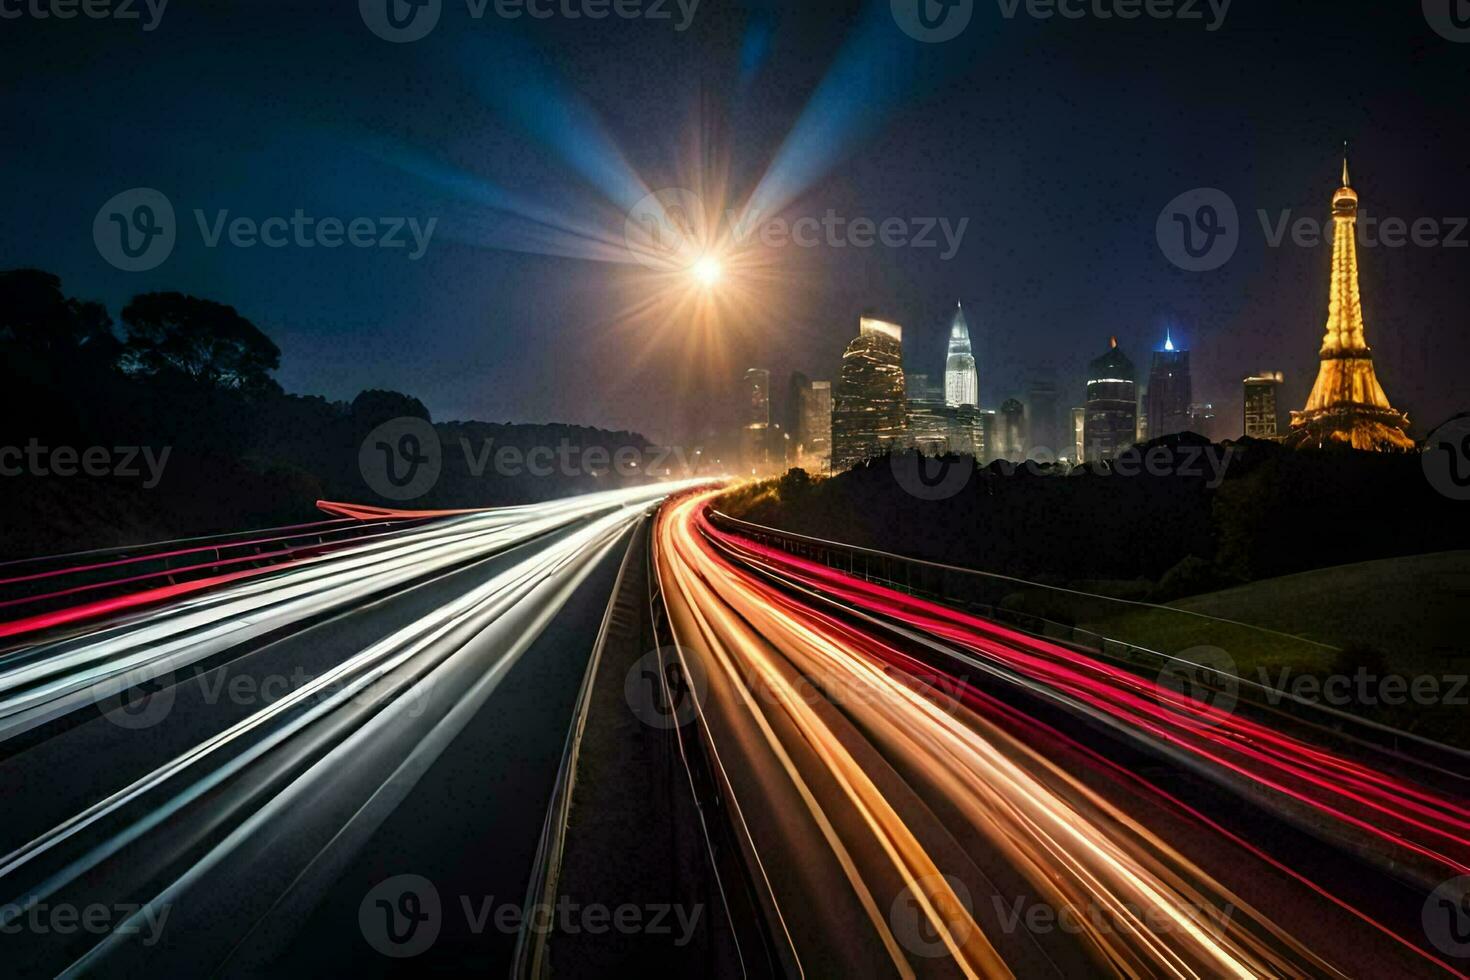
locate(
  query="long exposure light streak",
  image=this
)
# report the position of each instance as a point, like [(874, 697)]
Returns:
[(791, 682), (326, 762), (1397, 813)]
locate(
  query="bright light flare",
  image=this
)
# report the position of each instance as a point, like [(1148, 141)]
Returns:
[(708, 271)]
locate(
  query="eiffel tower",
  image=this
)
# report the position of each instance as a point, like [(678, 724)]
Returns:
[(1347, 406)]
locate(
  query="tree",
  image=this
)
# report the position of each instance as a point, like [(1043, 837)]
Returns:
[(375, 406), (205, 342), (39, 324)]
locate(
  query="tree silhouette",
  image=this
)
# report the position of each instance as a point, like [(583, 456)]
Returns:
[(375, 406), (42, 329), (207, 343)]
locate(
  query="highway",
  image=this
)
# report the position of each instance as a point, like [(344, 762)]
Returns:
[(213, 763), (921, 792), (194, 777)]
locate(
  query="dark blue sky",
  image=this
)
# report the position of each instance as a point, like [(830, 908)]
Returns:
[(1060, 141)]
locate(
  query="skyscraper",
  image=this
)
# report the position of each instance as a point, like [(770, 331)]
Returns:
[(870, 409), (1012, 435), (1041, 397), (1079, 434), (1112, 404), (1262, 411), (966, 431), (921, 389), (1203, 420), (791, 407), (814, 427), (961, 380), (755, 420), (1170, 391), (929, 417), (1347, 406)]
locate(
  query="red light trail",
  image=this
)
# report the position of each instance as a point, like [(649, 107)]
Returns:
[(853, 760)]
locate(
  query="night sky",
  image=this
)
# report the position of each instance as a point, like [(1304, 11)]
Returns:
[(1059, 140)]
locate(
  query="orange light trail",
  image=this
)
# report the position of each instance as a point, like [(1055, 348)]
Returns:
[(890, 773)]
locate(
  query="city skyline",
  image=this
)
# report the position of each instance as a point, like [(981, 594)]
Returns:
[(1040, 275), (734, 488)]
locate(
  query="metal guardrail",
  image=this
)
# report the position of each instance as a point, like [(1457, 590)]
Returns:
[(531, 943), (1005, 599)]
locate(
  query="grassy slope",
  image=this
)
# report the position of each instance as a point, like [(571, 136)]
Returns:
[(1408, 608)]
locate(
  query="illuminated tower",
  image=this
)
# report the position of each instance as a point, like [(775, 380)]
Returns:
[(1347, 406), (1262, 421), (961, 380), (1170, 390), (870, 407), (755, 420), (1111, 423), (811, 425)]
